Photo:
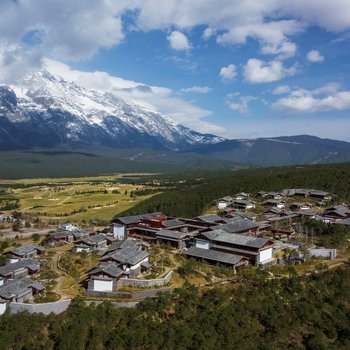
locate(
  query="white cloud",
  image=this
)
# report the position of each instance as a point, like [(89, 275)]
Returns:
[(208, 32), (155, 98), (272, 36), (15, 62), (283, 50), (257, 71), (327, 98), (67, 29), (197, 89), (236, 102), (280, 90), (314, 56), (73, 30), (228, 73), (178, 41)]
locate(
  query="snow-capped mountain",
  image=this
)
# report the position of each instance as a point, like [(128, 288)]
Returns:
[(46, 110)]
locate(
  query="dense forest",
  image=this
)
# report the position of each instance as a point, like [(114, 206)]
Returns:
[(310, 312), (191, 195)]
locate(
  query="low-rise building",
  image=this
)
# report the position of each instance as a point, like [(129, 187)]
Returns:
[(24, 252), (257, 250), (321, 195), (21, 290), (176, 239), (337, 213), (19, 269), (243, 204), (224, 202), (276, 195), (300, 206), (275, 203), (104, 277), (90, 244), (211, 218), (216, 257), (131, 261), (238, 225)]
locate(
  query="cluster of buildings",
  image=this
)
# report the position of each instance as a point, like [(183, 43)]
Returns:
[(242, 201), (119, 257), (123, 259), (230, 238), (279, 206), (16, 284), (230, 241)]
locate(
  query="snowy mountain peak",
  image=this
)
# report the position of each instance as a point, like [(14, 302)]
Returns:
[(73, 113)]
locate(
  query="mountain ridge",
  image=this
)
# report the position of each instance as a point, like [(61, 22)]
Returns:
[(47, 111), (59, 111)]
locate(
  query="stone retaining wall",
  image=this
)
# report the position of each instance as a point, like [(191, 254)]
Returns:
[(130, 282), (129, 295), (45, 308)]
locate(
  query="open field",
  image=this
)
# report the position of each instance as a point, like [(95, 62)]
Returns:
[(72, 199)]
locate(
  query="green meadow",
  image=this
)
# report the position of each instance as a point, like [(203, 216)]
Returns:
[(72, 199)]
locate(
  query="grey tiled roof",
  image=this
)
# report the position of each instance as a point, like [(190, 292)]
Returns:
[(126, 256), (344, 222), (134, 219), (243, 201), (26, 249), (94, 239), (126, 243), (226, 199), (171, 234), (18, 287), (339, 210), (236, 239), (274, 210), (26, 263), (210, 218), (319, 193), (172, 223), (237, 226), (213, 255), (110, 269)]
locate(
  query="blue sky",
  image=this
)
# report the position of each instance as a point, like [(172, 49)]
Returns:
[(239, 69)]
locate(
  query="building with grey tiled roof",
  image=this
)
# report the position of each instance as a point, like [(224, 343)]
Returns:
[(172, 223), (217, 257), (124, 259), (21, 290), (210, 218), (174, 238), (257, 250), (239, 225), (25, 252), (110, 270), (90, 244), (19, 269)]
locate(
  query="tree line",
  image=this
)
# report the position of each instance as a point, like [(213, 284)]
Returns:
[(309, 312), (190, 197)]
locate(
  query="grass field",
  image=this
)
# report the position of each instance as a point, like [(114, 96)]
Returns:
[(72, 199)]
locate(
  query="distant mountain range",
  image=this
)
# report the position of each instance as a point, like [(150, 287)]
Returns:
[(49, 112), (286, 150)]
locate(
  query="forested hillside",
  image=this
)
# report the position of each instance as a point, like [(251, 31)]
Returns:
[(189, 198), (310, 312)]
